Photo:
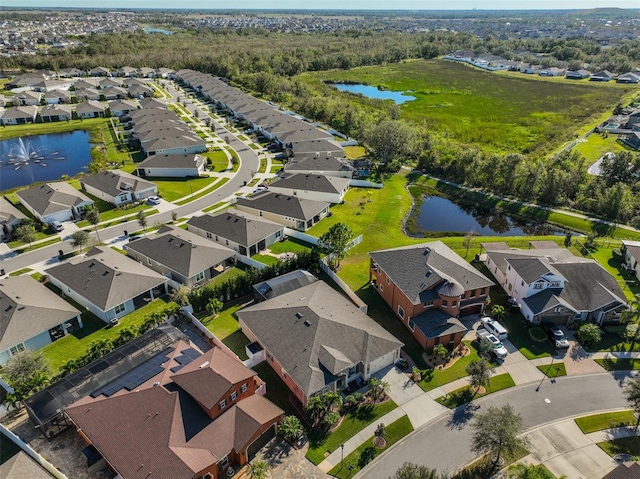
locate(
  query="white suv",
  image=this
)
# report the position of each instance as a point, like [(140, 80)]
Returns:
[(494, 327), (498, 348)]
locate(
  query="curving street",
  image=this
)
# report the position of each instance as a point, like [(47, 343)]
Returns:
[(445, 444)]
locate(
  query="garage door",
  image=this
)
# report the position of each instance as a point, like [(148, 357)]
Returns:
[(259, 443), (558, 320), (473, 309)]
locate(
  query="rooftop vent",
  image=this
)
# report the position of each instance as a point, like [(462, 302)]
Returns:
[(307, 323), (204, 365), (299, 315)]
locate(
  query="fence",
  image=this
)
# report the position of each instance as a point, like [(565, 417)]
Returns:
[(250, 262), (208, 334), (33, 454), (353, 296), (301, 236)]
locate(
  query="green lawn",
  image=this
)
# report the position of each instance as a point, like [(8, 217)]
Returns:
[(366, 452), (595, 146), (227, 275), (354, 152), (554, 370), (205, 192), (613, 364), (465, 395), (609, 420), (265, 259), (290, 245), (626, 445), (613, 264), (218, 158), (277, 391), (353, 422), (172, 189), (76, 344), (226, 328)]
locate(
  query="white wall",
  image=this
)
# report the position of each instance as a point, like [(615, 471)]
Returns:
[(310, 195), (382, 362), (173, 172)]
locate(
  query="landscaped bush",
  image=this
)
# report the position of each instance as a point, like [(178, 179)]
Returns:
[(589, 334), (538, 334)]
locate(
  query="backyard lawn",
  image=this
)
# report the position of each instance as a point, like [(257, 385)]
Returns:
[(595, 146), (598, 422), (265, 259), (290, 245), (226, 328), (75, 345), (465, 395), (613, 264), (171, 189), (218, 158)]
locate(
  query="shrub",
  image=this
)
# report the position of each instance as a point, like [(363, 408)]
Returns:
[(589, 334), (630, 332), (538, 334)]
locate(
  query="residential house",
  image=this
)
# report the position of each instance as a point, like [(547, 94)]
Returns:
[(316, 340), (631, 252), (145, 72), (181, 256), (554, 286), (51, 85), (118, 187), (57, 96), (316, 147), (164, 72), (32, 316), (174, 143), (115, 93), (111, 82), (85, 94), (319, 164), (107, 283), (240, 231), (99, 72), (147, 103), (141, 91), (90, 109), (624, 470), (604, 75), (329, 189), (628, 78), (19, 115), (632, 139), (10, 217), (29, 98), (192, 417), (122, 107), (296, 213), (428, 287), (172, 166), (54, 201), (577, 74), (273, 287), (22, 465), (125, 72), (84, 83), (70, 73), (55, 112), (552, 72)]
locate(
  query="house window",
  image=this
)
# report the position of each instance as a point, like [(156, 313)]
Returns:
[(200, 276), (224, 462), (226, 242), (445, 303), (454, 304), (473, 293), (388, 280), (352, 371), (244, 388), (537, 286), (521, 283), (401, 312), (260, 213), (120, 308), (278, 234), (382, 287), (216, 237), (426, 304), (149, 261), (555, 284), (234, 395), (412, 325), (18, 348), (557, 309), (223, 404)]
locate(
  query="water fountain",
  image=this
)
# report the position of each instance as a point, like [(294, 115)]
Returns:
[(24, 153)]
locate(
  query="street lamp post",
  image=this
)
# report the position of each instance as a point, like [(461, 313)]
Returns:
[(342, 458), (544, 375)]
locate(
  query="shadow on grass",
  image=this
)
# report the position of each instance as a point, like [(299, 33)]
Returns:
[(366, 456)]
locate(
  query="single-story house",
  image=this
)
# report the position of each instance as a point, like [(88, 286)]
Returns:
[(54, 201), (551, 285), (631, 252), (604, 75), (55, 112), (99, 72), (145, 72), (329, 189), (172, 166), (181, 256), (291, 211), (87, 94), (174, 144), (125, 72), (147, 103), (140, 91), (629, 77), (316, 340), (70, 73), (51, 85), (107, 283), (552, 72), (29, 97), (577, 74), (32, 316), (10, 217), (428, 287), (179, 414), (90, 109), (122, 107), (111, 82), (164, 72), (240, 231), (115, 93), (118, 187), (316, 147), (19, 115), (319, 164), (84, 83), (57, 96)]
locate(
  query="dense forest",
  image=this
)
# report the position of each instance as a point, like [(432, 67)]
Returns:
[(267, 63)]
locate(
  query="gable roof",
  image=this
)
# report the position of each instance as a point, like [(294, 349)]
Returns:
[(29, 111), (182, 251), (237, 226), (122, 105), (285, 205), (311, 147), (106, 278), (56, 110), (313, 331), (419, 269), (28, 309), (23, 466), (89, 106), (52, 197), (8, 212), (115, 182), (532, 269), (500, 256), (435, 323), (320, 162), (172, 161)]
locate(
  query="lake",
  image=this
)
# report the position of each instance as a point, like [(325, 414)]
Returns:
[(43, 158), (157, 30), (368, 91), (443, 215)]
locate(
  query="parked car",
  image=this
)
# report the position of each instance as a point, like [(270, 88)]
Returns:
[(557, 337), (513, 303), (499, 350), (153, 200), (56, 226), (494, 327)]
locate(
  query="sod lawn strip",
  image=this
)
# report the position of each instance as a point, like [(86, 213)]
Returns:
[(625, 445), (465, 395), (614, 364), (554, 370), (608, 420), (205, 192), (171, 189)]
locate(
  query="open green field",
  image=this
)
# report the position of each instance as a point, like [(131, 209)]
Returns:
[(172, 189), (595, 146), (496, 112)]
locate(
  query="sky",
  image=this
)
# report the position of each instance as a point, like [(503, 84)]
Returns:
[(331, 4)]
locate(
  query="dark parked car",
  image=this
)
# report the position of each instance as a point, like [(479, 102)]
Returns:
[(557, 337), (513, 303)]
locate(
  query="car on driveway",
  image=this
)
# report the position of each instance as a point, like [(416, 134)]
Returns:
[(499, 350), (153, 200), (56, 226), (513, 303), (494, 327), (557, 337)]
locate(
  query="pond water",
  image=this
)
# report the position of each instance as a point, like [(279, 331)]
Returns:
[(368, 91), (157, 30), (438, 214), (43, 158)]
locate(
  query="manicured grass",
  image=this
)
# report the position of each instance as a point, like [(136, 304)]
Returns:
[(75, 345), (35, 246), (226, 328), (290, 245), (353, 422), (625, 445), (171, 189), (366, 452), (263, 165), (525, 116), (465, 395), (275, 168), (227, 275), (205, 192), (598, 422), (234, 164), (554, 370), (277, 391), (215, 207), (266, 259), (218, 158), (613, 264), (613, 364), (354, 152), (20, 272), (596, 145)]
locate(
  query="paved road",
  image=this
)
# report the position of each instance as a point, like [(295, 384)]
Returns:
[(446, 443)]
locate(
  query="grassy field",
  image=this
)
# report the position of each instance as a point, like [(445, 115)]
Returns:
[(465, 395), (265, 259), (499, 113), (353, 422), (354, 152), (366, 452), (626, 445), (172, 189), (226, 328), (218, 159), (290, 245), (204, 192), (594, 146), (598, 422)]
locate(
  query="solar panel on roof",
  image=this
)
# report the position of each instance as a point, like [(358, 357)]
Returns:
[(188, 355)]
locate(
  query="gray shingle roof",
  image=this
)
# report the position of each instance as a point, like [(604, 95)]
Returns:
[(106, 278), (28, 309), (237, 226), (435, 323), (292, 206), (317, 183), (418, 269), (531, 269), (52, 197), (553, 255), (311, 147), (317, 163), (181, 251), (23, 466), (89, 106), (313, 322), (114, 182), (172, 161), (19, 112), (8, 212)]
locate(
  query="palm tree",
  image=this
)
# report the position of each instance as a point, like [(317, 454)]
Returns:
[(258, 469), (498, 311), (291, 429), (99, 348), (378, 389), (332, 400), (315, 408), (92, 215)]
